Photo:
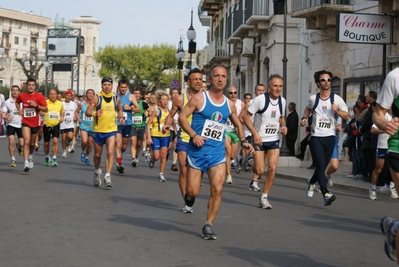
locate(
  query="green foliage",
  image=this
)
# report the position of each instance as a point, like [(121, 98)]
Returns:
[(5, 90), (156, 64)]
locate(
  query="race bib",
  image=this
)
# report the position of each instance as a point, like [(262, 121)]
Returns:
[(85, 118), (213, 130), (68, 120), (270, 128), (324, 123), (137, 120), (29, 112), (53, 115)]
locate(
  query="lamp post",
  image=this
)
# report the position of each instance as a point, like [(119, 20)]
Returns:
[(284, 150), (32, 64), (192, 45), (180, 54), (92, 73)]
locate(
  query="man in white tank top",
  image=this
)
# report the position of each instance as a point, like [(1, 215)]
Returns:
[(231, 141)]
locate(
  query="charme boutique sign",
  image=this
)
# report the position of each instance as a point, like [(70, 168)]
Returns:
[(364, 28)]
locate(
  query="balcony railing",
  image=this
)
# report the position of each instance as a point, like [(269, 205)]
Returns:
[(217, 49), (298, 5), (256, 8)]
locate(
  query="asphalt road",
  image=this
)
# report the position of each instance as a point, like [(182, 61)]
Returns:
[(54, 216)]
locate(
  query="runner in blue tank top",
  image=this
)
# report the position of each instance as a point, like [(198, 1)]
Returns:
[(129, 105), (205, 152)]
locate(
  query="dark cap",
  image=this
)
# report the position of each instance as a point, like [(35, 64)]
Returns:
[(106, 79)]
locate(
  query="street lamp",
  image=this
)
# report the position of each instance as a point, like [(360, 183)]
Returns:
[(192, 45), (180, 54), (92, 73)]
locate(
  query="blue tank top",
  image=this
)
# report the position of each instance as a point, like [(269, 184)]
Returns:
[(127, 114), (214, 112), (87, 122)]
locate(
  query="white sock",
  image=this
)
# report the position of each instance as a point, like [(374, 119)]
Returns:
[(391, 185), (373, 187), (264, 195)]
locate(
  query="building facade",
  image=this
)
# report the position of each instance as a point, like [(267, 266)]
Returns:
[(247, 36), (24, 39)]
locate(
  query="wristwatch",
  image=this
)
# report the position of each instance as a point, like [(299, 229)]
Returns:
[(244, 141)]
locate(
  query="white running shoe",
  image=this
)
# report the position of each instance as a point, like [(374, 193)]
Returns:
[(187, 209), (97, 178), (389, 246), (372, 194), (229, 179), (64, 154), (107, 181), (264, 203), (310, 190), (30, 162), (329, 181), (383, 189), (393, 193), (162, 178), (253, 186)]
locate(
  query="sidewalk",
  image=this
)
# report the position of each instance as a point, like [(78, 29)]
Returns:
[(339, 178)]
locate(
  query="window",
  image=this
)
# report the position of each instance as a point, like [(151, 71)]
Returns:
[(1, 82), (25, 41), (16, 40)]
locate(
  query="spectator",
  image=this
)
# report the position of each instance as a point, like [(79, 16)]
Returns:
[(292, 125)]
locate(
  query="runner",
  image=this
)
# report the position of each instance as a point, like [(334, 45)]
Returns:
[(105, 108), (68, 125), (205, 152), (51, 128), (13, 124), (86, 126), (194, 81), (32, 103), (128, 105)]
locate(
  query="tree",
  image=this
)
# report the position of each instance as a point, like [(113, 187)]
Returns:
[(155, 64), (34, 67)]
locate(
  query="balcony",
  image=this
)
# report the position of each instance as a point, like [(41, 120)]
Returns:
[(248, 17), (218, 52), (7, 30), (212, 6), (320, 13), (7, 46), (204, 18), (34, 35)]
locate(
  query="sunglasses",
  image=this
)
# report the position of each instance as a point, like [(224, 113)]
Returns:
[(233, 93), (325, 80)]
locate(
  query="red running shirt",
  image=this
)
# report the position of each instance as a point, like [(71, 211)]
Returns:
[(30, 114)]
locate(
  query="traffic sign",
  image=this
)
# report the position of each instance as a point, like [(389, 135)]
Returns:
[(174, 84)]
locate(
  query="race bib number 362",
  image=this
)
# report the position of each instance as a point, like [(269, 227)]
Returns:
[(213, 130)]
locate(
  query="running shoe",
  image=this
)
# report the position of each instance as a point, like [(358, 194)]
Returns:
[(229, 179), (72, 150), (20, 149), (69, 149), (187, 209), (310, 190), (264, 203), (174, 168), (120, 168), (26, 168), (55, 163), (30, 161), (393, 193), (87, 161), (64, 154), (107, 180), (383, 189), (151, 164), (134, 163), (162, 178), (253, 186), (329, 180), (372, 194), (328, 199), (37, 146), (47, 161), (350, 175), (13, 163), (82, 157), (97, 178), (389, 246), (207, 232)]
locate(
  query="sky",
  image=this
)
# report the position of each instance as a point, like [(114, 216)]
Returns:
[(125, 22)]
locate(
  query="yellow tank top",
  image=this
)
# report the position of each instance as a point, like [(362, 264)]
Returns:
[(183, 135), (158, 122), (106, 123), (54, 113)]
